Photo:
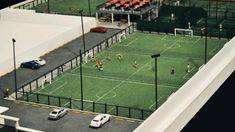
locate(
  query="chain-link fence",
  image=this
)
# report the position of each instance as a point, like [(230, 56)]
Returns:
[(26, 91)]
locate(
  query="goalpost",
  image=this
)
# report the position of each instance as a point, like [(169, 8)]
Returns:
[(183, 31), (46, 80)]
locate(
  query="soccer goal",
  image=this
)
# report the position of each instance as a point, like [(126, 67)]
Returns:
[(182, 31), (46, 81), (88, 56)]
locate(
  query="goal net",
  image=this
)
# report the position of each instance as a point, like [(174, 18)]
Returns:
[(88, 56), (46, 81), (181, 31)]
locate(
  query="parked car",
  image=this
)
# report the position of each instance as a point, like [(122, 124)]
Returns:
[(57, 113), (40, 61), (100, 120), (30, 64), (99, 29)]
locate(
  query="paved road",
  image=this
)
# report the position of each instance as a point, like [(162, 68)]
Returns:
[(34, 116), (54, 59)]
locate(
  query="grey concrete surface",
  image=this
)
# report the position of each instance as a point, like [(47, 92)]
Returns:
[(36, 117)]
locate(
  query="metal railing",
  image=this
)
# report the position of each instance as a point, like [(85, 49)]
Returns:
[(25, 91)]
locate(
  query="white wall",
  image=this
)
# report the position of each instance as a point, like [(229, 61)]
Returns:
[(36, 34), (178, 110)]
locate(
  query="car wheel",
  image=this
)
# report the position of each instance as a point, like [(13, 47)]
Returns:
[(22, 66), (33, 68)]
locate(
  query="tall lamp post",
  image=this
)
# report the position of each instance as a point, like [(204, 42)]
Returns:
[(80, 53), (13, 40), (83, 37), (155, 56)]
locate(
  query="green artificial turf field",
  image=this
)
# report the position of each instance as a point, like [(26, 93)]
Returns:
[(122, 84), (64, 6)]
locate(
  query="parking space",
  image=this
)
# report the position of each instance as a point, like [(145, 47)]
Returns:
[(36, 116)]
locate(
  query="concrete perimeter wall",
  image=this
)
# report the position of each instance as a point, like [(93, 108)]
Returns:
[(36, 34)]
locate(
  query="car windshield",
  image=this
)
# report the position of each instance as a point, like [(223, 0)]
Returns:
[(95, 120), (54, 112)]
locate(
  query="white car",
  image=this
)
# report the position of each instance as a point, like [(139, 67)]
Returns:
[(40, 61), (100, 120), (57, 113)]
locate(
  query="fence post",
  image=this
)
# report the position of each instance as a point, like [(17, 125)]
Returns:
[(36, 83), (52, 75), (219, 34), (37, 98), (98, 49), (116, 110), (59, 101), (58, 71), (27, 96), (129, 108), (30, 87), (93, 108), (48, 99), (71, 64), (70, 103), (23, 90), (142, 114), (105, 108)]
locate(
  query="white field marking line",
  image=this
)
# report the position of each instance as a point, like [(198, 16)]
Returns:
[(111, 109), (170, 46), (155, 102), (163, 38), (195, 42), (58, 88), (213, 49), (184, 77), (119, 80), (131, 42), (58, 79), (112, 79), (133, 54), (66, 103), (178, 58)]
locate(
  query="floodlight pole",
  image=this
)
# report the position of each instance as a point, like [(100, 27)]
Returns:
[(89, 4), (14, 58), (80, 53), (155, 56), (83, 37)]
